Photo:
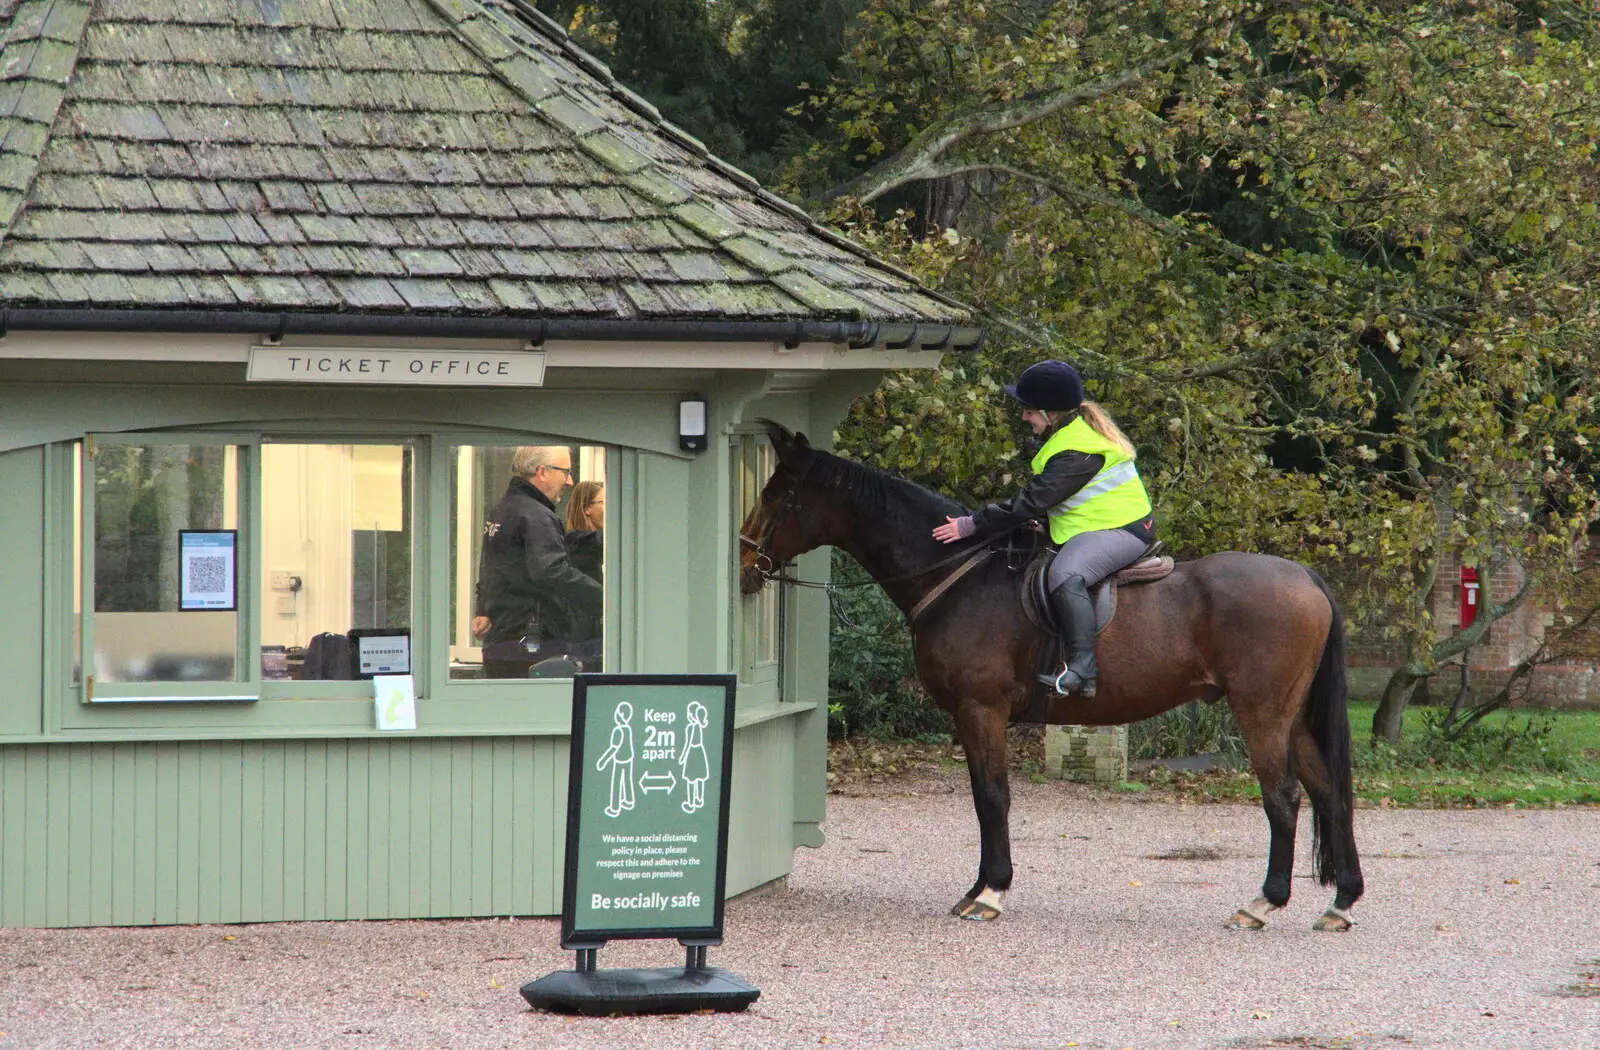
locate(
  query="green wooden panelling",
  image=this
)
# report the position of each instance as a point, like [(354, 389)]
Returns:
[(760, 836), (22, 583), (230, 831)]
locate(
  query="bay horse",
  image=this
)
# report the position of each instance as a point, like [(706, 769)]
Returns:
[(1262, 632)]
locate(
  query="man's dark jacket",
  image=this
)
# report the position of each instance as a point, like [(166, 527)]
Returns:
[(527, 584)]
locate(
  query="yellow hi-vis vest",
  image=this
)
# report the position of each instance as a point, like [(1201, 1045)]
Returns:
[(1113, 498)]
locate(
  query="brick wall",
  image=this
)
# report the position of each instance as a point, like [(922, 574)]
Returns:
[(1570, 679)]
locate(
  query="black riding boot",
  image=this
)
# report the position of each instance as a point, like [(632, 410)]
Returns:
[(1074, 611)]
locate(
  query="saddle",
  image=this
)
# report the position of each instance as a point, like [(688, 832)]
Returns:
[(1151, 566), (1045, 705)]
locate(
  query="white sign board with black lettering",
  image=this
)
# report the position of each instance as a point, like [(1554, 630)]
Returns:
[(314, 364)]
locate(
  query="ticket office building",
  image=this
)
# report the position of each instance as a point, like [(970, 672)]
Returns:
[(184, 732)]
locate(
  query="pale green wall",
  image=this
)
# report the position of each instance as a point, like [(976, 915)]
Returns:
[(258, 831), (160, 813), (22, 590)]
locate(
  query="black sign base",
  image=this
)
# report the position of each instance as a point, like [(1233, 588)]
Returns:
[(670, 990)]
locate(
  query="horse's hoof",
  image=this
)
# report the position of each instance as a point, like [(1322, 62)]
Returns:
[(1252, 916), (977, 911), (985, 907), (1333, 920)]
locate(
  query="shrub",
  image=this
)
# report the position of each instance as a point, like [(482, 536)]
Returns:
[(1193, 729), (1526, 745), (872, 683)]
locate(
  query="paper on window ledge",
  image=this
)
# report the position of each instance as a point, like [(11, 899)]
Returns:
[(396, 701)]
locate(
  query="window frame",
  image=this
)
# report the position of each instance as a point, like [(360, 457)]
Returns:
[(442, 510), (243, 688), (761, 681)]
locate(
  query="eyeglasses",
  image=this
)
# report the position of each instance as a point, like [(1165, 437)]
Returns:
[(552, 466)]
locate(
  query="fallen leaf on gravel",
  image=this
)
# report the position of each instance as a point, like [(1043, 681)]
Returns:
[(1513, 882), (229, 937), (1135, 882), (495, 984)]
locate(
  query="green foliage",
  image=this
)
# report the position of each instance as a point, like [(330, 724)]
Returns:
[(1529, 744), (1203, 729), (1333, 267), (730, 72), (872, 686)]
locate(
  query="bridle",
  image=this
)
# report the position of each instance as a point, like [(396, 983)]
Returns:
[(772, 572)]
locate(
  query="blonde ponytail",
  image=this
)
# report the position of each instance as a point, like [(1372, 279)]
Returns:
[(1101, 422)]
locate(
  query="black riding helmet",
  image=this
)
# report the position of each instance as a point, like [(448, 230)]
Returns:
[(1049, 386)]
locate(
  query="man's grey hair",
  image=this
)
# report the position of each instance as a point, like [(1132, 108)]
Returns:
[(530, 458)]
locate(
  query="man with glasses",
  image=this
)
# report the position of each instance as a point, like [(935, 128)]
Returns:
[(531, 599)]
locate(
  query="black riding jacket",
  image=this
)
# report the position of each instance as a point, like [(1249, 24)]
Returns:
[(527, 583)]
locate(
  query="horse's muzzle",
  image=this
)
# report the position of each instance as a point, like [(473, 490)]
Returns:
[(750, 580)]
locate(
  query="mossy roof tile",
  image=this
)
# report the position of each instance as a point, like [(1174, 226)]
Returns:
[(301, 153)]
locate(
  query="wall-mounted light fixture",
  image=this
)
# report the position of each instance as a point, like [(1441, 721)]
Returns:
[(692, 424)]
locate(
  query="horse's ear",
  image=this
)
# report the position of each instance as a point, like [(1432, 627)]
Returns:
[(789, 446), (783, 440)]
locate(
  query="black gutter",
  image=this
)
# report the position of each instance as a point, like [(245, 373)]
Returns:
[(858, 335)]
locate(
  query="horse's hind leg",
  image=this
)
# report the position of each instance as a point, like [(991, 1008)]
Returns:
[(1336, 848), (1280, 798), (982, 732)]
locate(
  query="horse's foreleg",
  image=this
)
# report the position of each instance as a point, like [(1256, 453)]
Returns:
[(982, 733)]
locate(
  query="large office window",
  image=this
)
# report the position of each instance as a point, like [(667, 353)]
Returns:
[(160, 598), (336, 554), (517, 612), (247, 566)]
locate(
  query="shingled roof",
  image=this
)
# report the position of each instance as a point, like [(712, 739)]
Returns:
[(365, 157)]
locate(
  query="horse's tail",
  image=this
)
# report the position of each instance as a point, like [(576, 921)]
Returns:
[(1330, 729)]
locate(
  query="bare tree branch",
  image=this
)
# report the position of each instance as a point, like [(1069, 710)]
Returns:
[(917, 159)]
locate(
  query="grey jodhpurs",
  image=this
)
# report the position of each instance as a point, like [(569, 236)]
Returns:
[(1095, 555)]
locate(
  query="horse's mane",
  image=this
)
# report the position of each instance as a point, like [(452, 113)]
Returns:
[(879, 492)]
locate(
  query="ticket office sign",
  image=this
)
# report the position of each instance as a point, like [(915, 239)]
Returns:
[(647, 807)]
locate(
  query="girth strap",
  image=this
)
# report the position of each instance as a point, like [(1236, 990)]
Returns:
[(949, 581)]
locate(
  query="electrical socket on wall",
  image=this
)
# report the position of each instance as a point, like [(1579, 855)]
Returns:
[(285, 579)]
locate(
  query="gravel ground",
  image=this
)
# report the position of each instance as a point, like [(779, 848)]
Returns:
[(1477, 931)]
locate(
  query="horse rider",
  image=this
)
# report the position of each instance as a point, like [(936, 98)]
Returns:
[(1086, 487)]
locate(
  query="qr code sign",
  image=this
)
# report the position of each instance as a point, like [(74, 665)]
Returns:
[(208, 576)]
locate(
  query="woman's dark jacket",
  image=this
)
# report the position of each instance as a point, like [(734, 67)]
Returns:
[(587, 548)]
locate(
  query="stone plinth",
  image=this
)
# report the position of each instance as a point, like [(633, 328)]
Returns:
[(1088, 754)]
